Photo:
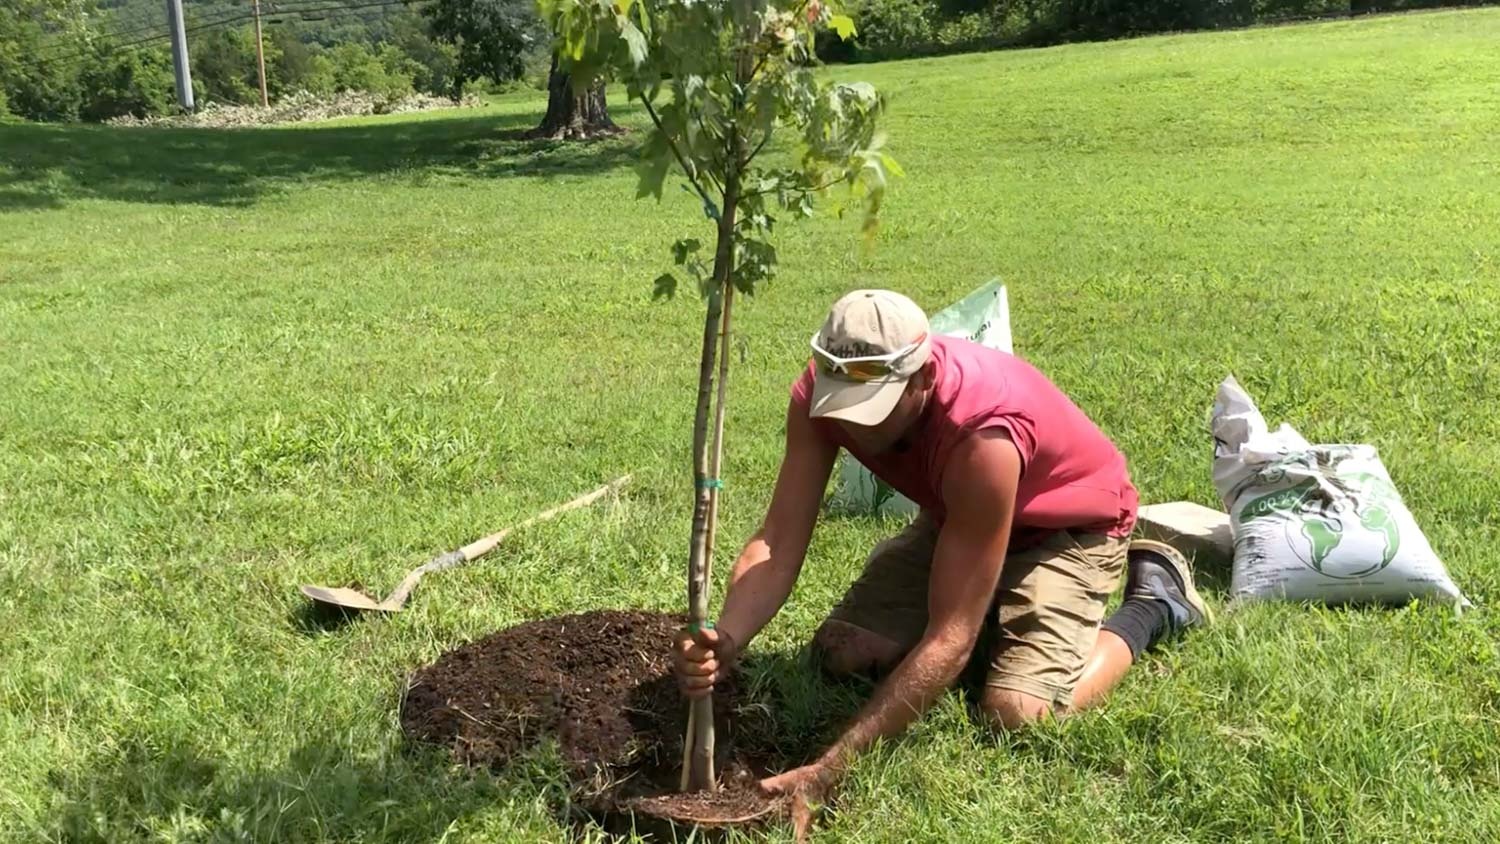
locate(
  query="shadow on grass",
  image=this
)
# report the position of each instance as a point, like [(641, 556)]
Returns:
[(1212, 579), (48, 165), (790, 711), (312, 618), (320, 791)]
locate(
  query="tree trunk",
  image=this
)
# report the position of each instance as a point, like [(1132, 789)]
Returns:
[(571, 115), (700, 771), (698, 762)]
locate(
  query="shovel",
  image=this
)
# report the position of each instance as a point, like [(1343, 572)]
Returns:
[(352, 599)]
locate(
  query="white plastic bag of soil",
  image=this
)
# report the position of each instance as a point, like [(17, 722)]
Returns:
[(983, 316), (1316, 522)]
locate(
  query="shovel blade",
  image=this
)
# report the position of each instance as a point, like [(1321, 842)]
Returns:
[(345, 598)]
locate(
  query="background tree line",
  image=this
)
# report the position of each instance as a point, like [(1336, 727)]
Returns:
[(95, 59), (903, 28)]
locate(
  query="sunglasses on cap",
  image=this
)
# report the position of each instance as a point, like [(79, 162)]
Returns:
[(862, 369)]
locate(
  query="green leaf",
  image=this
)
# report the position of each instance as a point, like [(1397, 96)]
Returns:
[(666, 286), (645, 17), (757, 263), (656, 159), (844, 26), (652, 175), (683, 248), (635, 41)]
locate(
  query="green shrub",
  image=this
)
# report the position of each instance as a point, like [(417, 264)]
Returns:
[(387, 73), (134, 82), (436, 62), (890, 28), (224, 65), (45, 90), (401, 71), (969, 29), (320, 77), (1269, 10)]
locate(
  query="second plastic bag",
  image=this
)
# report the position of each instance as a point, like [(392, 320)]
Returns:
[(1316, 522)]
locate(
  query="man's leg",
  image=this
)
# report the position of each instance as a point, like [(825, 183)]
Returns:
[(1159, 600), (844, 650), (1110, 660), (884, 613)]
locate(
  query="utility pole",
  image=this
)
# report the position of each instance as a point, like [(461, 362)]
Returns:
[(260, 58), (180, 55)]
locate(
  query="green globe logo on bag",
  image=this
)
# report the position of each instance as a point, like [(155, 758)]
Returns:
[(1344, 532)]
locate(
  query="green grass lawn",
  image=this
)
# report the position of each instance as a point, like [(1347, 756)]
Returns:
[(235, 362)]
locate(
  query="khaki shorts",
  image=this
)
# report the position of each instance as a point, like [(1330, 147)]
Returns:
[(1044, 621)]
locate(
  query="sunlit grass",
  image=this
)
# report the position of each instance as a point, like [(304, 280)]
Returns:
[(231, 363)]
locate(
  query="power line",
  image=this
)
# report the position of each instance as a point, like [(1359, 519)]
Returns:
[(141, 21), (294, 5), (66, 56), (141, 18), (298, 7), (337, 9)]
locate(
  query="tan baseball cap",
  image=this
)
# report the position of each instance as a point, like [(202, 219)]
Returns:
[(867, 324)]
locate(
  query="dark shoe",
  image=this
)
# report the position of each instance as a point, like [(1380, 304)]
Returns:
[(1157, 571)]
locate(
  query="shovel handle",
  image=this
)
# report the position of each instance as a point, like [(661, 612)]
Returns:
[(479, 547)]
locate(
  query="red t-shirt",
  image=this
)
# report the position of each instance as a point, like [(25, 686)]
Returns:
[(1072, 476)]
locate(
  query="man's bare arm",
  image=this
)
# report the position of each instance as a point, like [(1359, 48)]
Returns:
[(979, 491), (768, 566)]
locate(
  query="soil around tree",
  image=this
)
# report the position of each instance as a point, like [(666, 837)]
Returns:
[(600, 685)]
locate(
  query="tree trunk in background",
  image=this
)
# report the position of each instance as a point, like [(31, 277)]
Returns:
[(571, 115)]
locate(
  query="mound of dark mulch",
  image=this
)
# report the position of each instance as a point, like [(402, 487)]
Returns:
[(600, 683)]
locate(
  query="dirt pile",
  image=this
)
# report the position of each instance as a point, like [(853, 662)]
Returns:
[(600, 683)]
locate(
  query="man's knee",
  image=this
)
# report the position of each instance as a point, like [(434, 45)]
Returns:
[(844, 650), (1005, 710)]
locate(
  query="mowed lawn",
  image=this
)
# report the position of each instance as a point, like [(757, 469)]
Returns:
[(233, 362)]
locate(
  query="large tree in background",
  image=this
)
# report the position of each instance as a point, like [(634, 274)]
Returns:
[(573, 114), (492, 37)]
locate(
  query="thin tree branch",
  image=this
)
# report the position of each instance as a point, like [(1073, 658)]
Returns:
[(714, 180), (758, 147), (716, 455), (710, 173), (818, 189), (681, 161)]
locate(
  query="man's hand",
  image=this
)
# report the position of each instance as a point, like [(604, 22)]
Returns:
[(810, 781), (807, 787), (702, 659)]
